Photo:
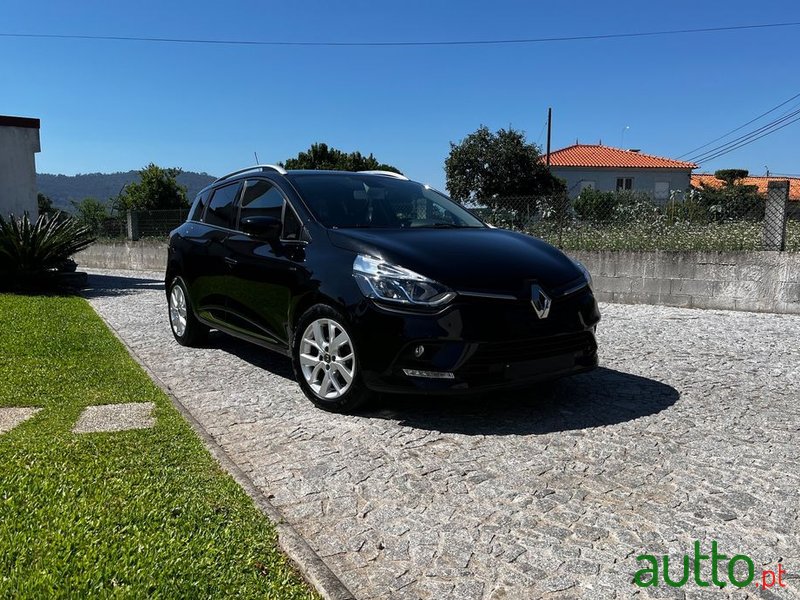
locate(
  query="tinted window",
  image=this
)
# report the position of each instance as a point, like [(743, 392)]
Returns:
[(199, 206), (376, 201), (291, 225), (220, 210), (261, 199)]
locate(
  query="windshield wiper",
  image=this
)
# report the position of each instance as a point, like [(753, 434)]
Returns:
[(446, 226)]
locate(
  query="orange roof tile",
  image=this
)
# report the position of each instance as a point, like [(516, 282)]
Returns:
[(760, 182), (595, 155)]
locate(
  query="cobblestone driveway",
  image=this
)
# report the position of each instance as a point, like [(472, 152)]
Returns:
[(689, 431)]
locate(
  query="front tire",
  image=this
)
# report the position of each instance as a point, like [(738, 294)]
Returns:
[(326, 361), (188, 331)]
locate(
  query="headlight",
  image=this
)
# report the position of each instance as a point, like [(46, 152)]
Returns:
[(584, 270), (392, 283)]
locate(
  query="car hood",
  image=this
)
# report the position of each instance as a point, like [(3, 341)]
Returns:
[(479, 260)]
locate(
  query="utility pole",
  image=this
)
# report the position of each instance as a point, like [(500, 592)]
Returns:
[(549, 127)]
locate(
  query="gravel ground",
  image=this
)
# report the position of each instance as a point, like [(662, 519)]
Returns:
[(689, 431), (12, 416), (115, 417)]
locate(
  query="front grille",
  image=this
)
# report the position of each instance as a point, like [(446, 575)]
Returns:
[(492, 353)]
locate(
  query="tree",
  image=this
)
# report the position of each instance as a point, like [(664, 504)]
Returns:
[(493, 167), (91, 213), (731, 176), (733, 200), (320, 156), (44, 204), (156, 189)]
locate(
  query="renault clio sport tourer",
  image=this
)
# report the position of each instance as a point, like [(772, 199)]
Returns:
[(371, 283)]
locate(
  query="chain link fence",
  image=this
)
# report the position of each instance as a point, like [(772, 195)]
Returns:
[(138, 224), (596, 220), (626, 220)]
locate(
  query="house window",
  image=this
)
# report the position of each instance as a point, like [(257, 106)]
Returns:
[(624, 183), (587, 185), (662, 190)]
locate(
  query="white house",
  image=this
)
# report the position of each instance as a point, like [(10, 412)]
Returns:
[(19, 143), (611, 169)]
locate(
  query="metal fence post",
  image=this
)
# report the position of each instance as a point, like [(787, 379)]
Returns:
[(133, 224), (775, 212)]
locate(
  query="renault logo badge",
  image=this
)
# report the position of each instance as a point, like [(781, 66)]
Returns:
[(541, 302)]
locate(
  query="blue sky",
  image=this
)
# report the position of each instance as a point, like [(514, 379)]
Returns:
[(112, 106)]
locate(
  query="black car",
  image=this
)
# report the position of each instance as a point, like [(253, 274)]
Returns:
[(371, 282)]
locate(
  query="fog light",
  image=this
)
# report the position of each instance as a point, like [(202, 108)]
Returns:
[(428, 374), (419, 351)]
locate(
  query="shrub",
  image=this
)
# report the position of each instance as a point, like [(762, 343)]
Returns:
[(33, 252), (595, 206)]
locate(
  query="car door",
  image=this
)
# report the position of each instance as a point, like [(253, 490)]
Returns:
[(267, 274), (213, 277)]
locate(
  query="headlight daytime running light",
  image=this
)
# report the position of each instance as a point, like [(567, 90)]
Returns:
[(391, 283)]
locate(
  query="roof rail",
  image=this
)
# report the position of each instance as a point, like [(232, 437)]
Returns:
[(385, 173), (275, 168)]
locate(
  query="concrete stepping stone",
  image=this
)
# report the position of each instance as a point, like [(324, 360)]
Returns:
[(12, 416), (115, 417)]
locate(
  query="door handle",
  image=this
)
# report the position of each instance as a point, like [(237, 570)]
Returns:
[(231, 262)]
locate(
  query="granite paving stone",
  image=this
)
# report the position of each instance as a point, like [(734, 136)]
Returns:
[(115, 417), (690, 430), (12, 416)]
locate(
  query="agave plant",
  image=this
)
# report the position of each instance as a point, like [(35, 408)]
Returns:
[(31, 249)]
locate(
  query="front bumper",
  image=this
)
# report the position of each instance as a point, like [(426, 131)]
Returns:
[(486, 344)]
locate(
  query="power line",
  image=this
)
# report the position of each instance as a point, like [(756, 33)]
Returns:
[(764, 114), (703, 155), (541, 133), (571, 38), (750, 141)]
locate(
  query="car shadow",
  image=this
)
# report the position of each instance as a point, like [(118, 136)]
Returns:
[(257, 356), (98, 285), (601, 397)]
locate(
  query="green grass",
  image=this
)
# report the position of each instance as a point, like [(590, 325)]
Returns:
[(144, 513)]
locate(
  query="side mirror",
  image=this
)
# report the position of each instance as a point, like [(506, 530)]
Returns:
[(263, 228)]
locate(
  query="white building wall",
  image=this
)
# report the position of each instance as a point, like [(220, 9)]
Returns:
[(18, 148), (644, 180)]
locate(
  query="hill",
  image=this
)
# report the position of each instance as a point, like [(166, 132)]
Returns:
[(61, 189)]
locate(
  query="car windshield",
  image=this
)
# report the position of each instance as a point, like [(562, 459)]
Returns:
[(352, 200)]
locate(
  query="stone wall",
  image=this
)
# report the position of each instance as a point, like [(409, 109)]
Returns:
[(751, 281), (138, 256)]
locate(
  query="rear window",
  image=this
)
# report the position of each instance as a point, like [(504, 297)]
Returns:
[(220, 209)]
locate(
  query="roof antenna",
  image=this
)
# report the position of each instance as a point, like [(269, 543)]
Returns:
[(256, 155), (767, 168)]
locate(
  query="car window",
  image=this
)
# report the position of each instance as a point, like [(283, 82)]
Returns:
[(220, 209), (361, 200), (261, 199), (291, 225), (199, 206)]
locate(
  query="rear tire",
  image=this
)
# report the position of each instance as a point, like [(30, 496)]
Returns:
[(326, 361), (188, 331)]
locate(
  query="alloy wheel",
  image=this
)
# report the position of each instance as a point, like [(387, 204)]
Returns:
[(327, 359), (177, 310)]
